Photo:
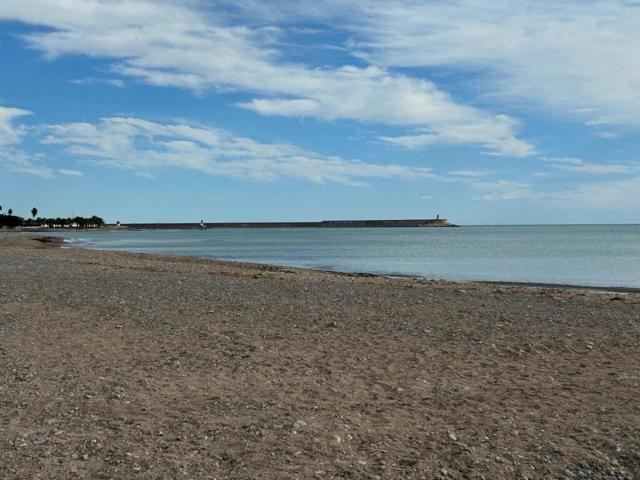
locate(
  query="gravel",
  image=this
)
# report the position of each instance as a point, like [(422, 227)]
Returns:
[(121, 366)]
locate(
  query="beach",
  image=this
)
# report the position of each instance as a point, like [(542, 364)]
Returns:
[(118, 365)]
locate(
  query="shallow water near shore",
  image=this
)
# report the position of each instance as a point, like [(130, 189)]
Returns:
[(589, 255)]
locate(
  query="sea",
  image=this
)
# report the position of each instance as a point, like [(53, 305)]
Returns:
[(581, 255)]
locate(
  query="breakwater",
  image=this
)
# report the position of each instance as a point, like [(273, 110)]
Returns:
[(428, 222)]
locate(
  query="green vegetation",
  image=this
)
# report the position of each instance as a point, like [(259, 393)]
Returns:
[(9, 220), (75, 222)]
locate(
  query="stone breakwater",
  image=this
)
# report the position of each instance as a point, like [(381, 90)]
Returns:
[(428, 222)]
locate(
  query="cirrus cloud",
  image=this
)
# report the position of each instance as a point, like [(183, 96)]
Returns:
[(145, 147), (177, 44), (575, 58), (12, 158), (9, 132), (577, 165)]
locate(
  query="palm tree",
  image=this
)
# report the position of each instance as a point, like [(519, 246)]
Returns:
[(34, 212)]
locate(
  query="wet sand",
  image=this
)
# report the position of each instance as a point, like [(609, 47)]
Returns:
[(119, 366)]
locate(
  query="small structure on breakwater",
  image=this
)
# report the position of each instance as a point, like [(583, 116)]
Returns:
[(428, 222)]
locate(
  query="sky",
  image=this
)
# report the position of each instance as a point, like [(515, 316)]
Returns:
[(502, 112)]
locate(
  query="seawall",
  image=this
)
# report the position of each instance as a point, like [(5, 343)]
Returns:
[(429, 222)]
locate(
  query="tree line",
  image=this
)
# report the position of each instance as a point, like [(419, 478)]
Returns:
[(8, 219)]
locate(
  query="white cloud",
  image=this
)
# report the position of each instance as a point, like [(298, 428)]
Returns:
[(505, 190), (146, 175), (14, 159), (9, 133), (146, 147), (494, 136), (468, 173), (70, 173), (577, 165), (114, 82), (19, 161), (607, 135), (38, 171), (172, 44), (619, 195), (575, 56)]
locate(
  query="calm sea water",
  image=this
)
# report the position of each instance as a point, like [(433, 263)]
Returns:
[(593, 255)]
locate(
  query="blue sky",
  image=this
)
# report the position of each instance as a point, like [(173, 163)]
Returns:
[(513, 112)]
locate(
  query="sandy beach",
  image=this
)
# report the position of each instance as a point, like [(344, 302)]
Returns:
[(127, 366)]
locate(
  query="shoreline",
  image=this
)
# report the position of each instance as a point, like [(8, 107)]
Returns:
[(124, 365)]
